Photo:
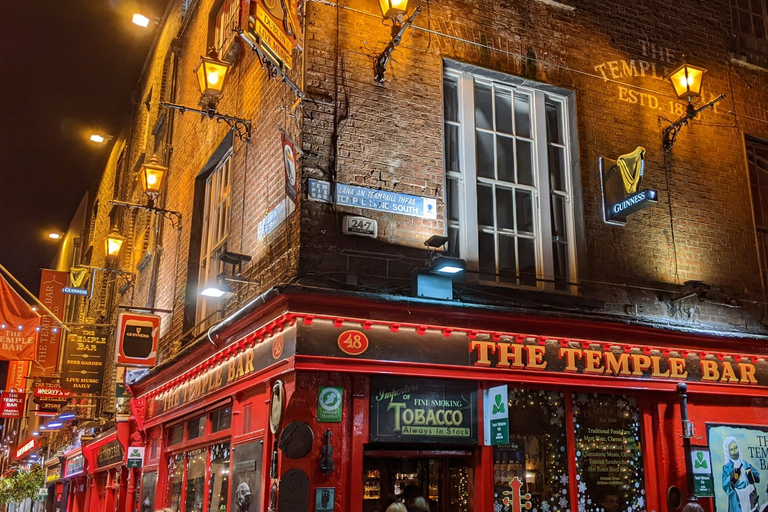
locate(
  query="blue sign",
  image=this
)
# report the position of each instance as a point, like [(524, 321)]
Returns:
[(75, 291), (371, 199), (275, 217)]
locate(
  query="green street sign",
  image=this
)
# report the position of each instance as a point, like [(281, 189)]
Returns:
[(329, 404), (703, 485), (135, 457), (496, 416)]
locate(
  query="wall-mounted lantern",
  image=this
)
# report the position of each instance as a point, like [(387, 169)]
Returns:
[(113, 243), (394, 10), (152, 175)]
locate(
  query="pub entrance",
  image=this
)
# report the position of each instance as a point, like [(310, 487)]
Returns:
[(445, 478)]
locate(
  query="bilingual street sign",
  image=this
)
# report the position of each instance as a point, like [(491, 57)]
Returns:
[(495, 416), (701, 463)]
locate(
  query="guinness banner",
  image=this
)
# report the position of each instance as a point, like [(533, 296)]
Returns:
[(85, 352)]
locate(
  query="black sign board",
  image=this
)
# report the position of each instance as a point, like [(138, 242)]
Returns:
[(246, 488), (85, 352), (108, 454), (423, 411)]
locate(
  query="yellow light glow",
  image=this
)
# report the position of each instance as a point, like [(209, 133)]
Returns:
[(152, 175), (114, 243), (151, 179), (97, 138), (140, 20), (212, 74), (393, 8), (54, 235), (687, 81), (213, 78)]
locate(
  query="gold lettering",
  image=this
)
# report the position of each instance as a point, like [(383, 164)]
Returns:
[(505, 351), (484, 348), (656, 371), (536, 357), (709, 370), (592, 361), (570, 357), (747, 371), (618, 366), (640, 363), (677, 368), (729, 374), (249, 361)]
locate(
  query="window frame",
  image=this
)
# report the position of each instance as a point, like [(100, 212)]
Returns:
[(465, 76)]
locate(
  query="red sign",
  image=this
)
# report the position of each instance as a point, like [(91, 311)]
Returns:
[(137, 337), (289, 160), (17, 374), (353, 343), (51, 284), (52, 393), (26, 448), (12, 404), (18, 326)]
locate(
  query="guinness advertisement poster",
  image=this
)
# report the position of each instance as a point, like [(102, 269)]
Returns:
[(246, 471), (85, 352), (423, 411), (739, 465)]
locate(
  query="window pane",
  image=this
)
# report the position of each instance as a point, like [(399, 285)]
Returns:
[(558, 218), (485, 205), (759, 25), (504, 111), (221, 420), (537, 452), (554, 123), (522, 115), (505, 154), (504, 204), (218, 481), (177, 434), (485, 160), (557, 168), (148, 483), (560, 262), (453, 241), (195, 480), (176, 476), (450, 100), (452, 199), (524, 211), (487, 253), (527, 260), (451, 148), (507, 259), (744, 22), (483, 106), (524, 162), (612, 476), (196, 427)]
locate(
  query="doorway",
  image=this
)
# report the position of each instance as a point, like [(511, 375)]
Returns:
[(445, 478)]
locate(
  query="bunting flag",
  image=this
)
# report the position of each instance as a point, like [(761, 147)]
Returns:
[(18, 326)]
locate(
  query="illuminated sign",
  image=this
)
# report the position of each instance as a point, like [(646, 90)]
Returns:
[(74, 291), (26, 448), (275, 27), (12, 404), (75, 465), (137, 337), (619, 180)]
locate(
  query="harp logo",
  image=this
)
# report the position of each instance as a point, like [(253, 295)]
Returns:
[(620, 182)]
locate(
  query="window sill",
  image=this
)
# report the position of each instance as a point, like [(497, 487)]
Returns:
[(558, 5), (743, 62)]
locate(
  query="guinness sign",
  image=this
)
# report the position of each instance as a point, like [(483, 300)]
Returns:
[(620, 180)]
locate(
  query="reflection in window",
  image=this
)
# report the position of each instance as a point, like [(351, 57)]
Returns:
[(196, 427), (177, 434), (221, 420), (195, 480), (218, 481), (176, 472), (537, 452), (609, 458)]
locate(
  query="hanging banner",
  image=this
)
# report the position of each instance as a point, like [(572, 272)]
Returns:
[(289, 159), (52, 282), (137, 337), (17, 374), (18, 326), (12, 404), (85, 353), (275, 27), (50, 400)]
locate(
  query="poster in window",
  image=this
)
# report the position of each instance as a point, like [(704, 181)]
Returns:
[(739, 456), (148, 484), (609, 458), (246, 468)]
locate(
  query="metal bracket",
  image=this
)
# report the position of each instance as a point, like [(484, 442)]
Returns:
[(242, 127)]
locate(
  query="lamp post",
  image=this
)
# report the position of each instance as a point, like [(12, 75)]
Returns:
[(113, 243), (152, 176), (682, 389), (687, 81), (394, 10)]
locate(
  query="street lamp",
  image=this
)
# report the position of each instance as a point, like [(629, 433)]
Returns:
[(211, 73), (140, 20), (394, 10), (687, 81), (113, 243), (152, 175)]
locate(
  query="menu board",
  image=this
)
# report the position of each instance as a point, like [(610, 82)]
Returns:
[(423, 410), (609, 458)]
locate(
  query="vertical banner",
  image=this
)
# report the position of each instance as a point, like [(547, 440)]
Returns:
[(17, 375), (739, 463), (52, 282), (18, 326), (289, 159), (85, 353)]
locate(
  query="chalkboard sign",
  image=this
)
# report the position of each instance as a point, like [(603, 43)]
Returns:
[(423, 410)]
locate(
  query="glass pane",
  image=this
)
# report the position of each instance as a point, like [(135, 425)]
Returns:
[(221, 420), (524, 211), (557, 168), (522, 115), (507, 259), (505, 155), (537, 452), (483, 106), (177, 434), (451, 148), (176, 472), (560, 262), (554, 123), (504, 204), (524, 162), (196, 427), (218, 481), (559, 232), (450, 100), (485, 160), (148, 484), (504, 112), (195, 480), (759, 25), (452, 201), (453, 241), (611, 477), (487, 254), (744, 22), (485, 205), (527, 261)]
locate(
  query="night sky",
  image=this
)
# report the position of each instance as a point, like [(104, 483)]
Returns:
[(69, 67)]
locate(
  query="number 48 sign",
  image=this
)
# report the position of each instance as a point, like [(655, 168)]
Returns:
[(353, 343)]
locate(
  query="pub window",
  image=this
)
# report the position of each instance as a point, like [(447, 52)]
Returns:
[(196, 427), (509, 178), (195, 488), (148, 484), (176, 477), (536, 454), (750, 23), (177, 435), (221, 420), (224, 20), (757, 164), (218, 478), (198, 478), (609, 458)]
